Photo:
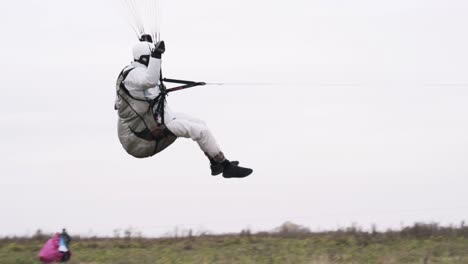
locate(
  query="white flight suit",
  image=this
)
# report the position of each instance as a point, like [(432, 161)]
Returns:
[(143, 83)]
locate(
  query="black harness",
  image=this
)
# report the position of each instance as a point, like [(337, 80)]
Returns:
[(157, 105)]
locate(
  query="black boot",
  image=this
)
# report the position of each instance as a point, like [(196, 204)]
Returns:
[(218, 168), (233, 171)]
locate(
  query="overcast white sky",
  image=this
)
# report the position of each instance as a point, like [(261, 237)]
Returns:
[(391, 148)]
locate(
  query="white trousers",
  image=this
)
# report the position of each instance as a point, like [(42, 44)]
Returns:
[(186, 126)]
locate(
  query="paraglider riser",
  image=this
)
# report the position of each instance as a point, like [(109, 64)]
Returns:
[(187, 84)]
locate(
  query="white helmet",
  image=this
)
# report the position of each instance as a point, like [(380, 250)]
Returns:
[(141, 49)]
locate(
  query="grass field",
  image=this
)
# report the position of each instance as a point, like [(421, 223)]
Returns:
[(420, 244)]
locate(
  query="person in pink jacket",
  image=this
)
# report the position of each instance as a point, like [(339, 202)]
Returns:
[(56, 249)]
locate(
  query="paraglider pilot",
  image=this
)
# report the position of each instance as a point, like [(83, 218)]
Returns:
[(147, 126)]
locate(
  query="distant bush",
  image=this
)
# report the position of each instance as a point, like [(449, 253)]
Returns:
[(40, 236), (423, 230), (291, 229), (287, 229)]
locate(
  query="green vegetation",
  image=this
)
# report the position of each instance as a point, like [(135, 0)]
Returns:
[(422, 243)]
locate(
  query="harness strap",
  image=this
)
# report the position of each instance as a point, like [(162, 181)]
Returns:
[(160, 100), (157, 105), (152, 132)]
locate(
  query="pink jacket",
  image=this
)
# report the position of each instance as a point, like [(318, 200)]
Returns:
[(50, 252)]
